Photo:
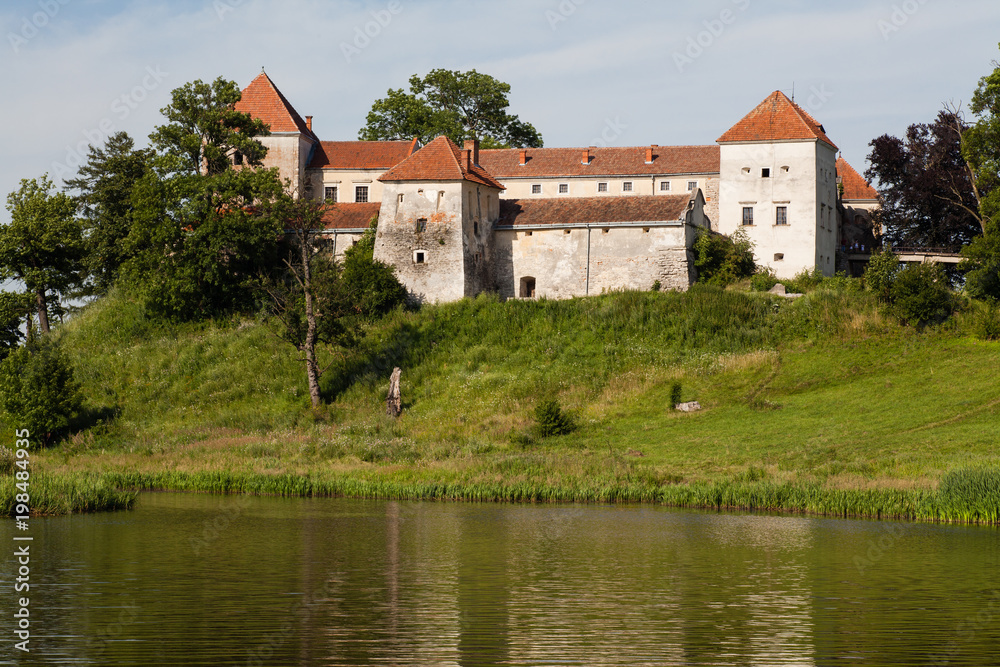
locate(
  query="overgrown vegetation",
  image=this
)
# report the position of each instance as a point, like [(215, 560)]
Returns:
[(723, 260)]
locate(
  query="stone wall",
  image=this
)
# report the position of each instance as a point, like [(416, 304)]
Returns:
[(422, 236)]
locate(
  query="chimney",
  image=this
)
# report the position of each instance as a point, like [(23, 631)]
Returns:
[(649, 154), (472, 145), (309, 123), (466, 159), (585, 157), (523, 157)]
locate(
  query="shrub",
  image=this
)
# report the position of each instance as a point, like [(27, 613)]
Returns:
[(38, 390), (551, 420), (805, 281), (920, 295), (723, 260), (675, 395), (371, 285), (986, 322), (763, 280), (656, 286), (881, 273)]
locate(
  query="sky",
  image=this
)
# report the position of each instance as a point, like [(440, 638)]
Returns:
[(583, 72)]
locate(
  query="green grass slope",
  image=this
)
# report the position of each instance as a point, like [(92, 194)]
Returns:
[(819, 404)]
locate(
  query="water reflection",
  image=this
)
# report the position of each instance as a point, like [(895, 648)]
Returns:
[(193, 579)]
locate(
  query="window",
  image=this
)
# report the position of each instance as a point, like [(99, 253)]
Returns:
[(748, 215), (664, 186), (605, 230), (627, 186), (567, 231), (602, 187), (692, 186), (527, 287), (781, 215), (419, 257), (361, 194), (237, 158), (536, 189), (563, 188), (779, 256), (475, 228), (400, 199), (527, 233), (645, 230), (765, 173), (746, 170), (330, 193), (784, 169), (421, 225)]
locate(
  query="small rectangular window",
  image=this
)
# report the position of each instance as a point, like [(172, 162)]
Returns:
[(421, 225), (779, 256), (627, 186), (765, 173), (602, 187), (536, 189), (781, 215), (400, 199), (330, 193), (361, 194), (692, 186), (748, 215), (419, 257), (664, 186), (563, 188)]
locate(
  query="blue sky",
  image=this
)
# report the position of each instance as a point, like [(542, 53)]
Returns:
[(667, 73)]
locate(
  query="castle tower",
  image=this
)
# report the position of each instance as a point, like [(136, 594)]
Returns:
[(778, 182), (291, 142), (439, 208)]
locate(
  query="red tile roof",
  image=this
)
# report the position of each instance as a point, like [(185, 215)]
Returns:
[(440, 160), (855, 187), (350, 216), (595, 210), (776, 119), (625, 161), (361, 154), (262, 100)]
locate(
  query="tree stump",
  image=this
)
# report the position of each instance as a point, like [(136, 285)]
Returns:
[(393, 404)]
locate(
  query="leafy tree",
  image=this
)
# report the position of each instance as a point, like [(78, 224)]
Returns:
[(929, 198), (43, 244), (310, 303), (201, 229), (38, 391), (920, 295), (372, 285), (982, 150), (204, 130), (722, 260), (880, 274), (104, 188), (461, 105), (13, 309)]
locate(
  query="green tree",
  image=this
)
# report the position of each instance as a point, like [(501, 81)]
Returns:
[(104, 188), (920, 295), (981, 148), (880, 274), (38, 390), (43, 244), (461, 105), (13, 309), (722, 260), (371, 285), (201, 229)]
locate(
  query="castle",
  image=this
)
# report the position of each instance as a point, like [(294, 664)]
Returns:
[(561, 222)]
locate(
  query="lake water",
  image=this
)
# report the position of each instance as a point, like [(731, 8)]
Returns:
[(189, 579)]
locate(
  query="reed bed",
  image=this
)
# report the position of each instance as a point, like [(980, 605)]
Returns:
[(66, 494), (964, 496)]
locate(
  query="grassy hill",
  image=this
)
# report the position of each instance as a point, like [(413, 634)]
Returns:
[(820, 404)]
